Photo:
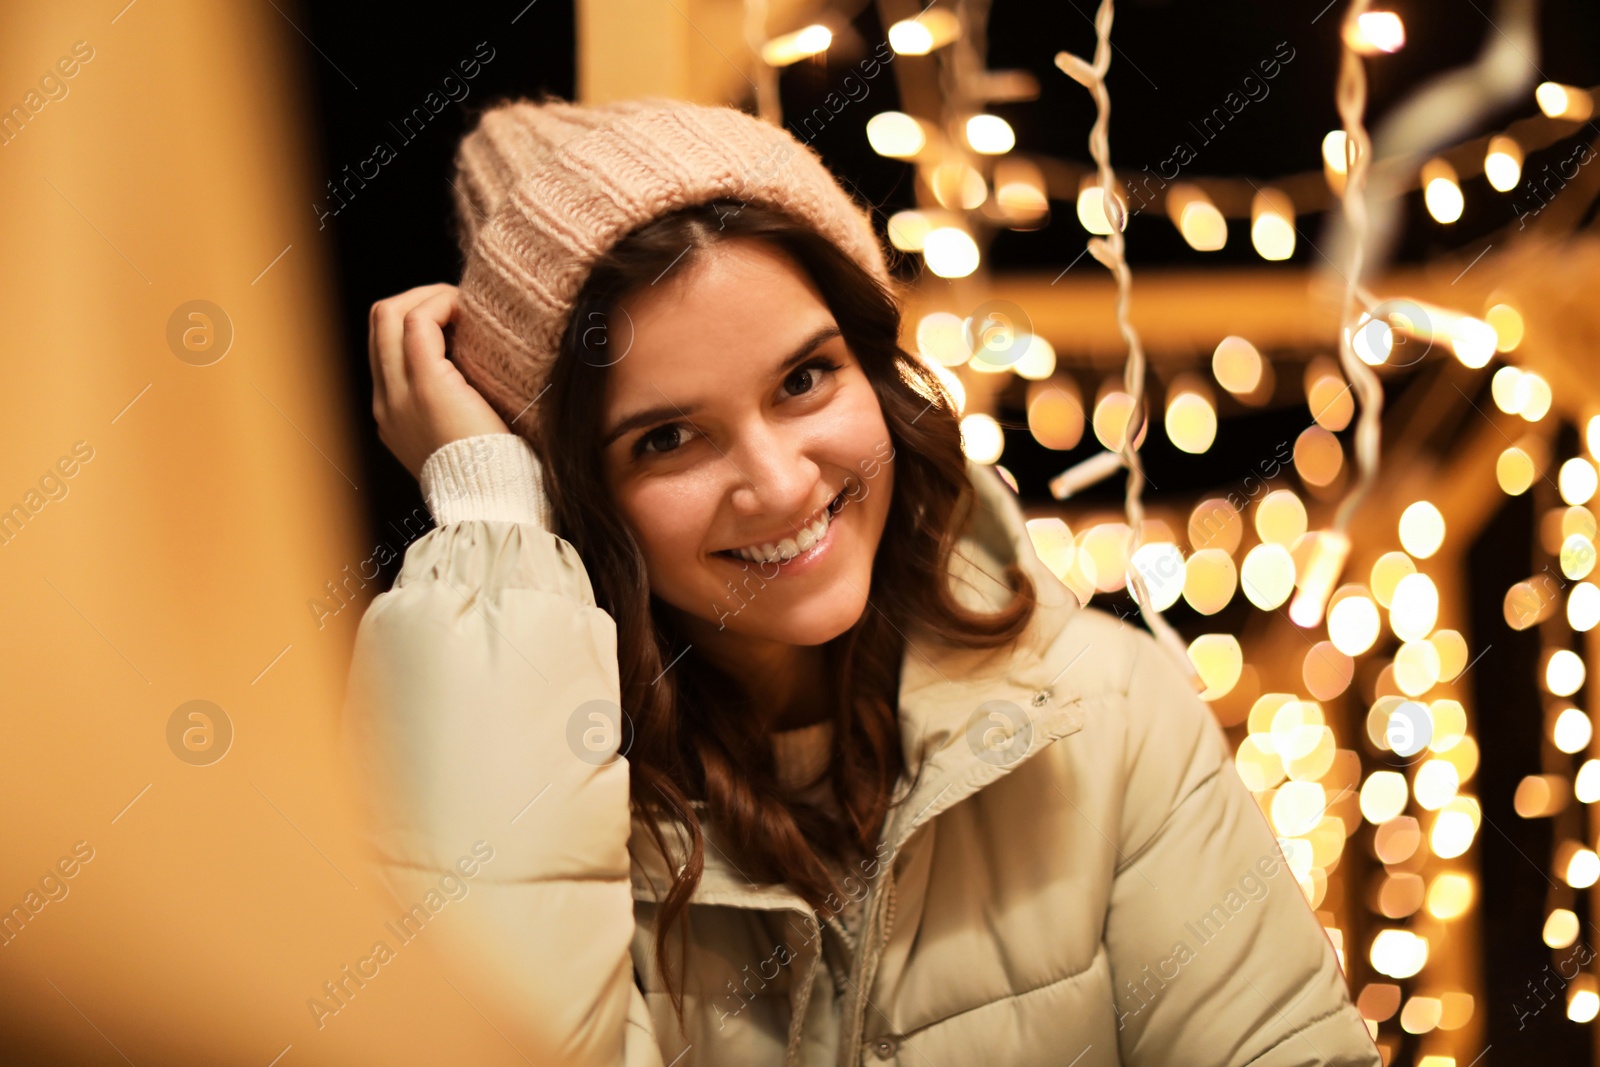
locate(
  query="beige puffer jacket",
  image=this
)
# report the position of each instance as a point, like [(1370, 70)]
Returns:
[(1079, 877)]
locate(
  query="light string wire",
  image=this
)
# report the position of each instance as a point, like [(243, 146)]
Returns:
[(1351, 99), (1451, 102), (1109, 251), (1444, 107), (1330, 548)]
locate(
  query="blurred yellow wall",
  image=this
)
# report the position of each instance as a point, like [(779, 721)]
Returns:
[(179, 508)]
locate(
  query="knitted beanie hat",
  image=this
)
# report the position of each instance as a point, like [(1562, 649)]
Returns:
[(543, 189)]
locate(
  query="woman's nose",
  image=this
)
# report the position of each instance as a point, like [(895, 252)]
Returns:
[(775, 476)]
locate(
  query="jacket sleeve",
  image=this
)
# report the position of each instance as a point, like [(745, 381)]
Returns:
[(489, 476), (1215, 954), (481, 725)]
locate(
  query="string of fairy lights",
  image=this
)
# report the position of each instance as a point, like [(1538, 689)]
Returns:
[(1363, 602), (1109, 252), (1564, 559)]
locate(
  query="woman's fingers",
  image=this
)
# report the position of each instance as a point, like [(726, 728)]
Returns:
[(422, 334), (387, 335), (451, 406), (421, 401)]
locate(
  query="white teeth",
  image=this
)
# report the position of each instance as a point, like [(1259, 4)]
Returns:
[(814, 531), (789, 547)]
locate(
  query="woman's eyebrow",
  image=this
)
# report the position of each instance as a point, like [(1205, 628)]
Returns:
[(662, 412)]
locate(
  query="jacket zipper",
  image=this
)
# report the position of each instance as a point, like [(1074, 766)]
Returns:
[(888, 921), (865, 966)]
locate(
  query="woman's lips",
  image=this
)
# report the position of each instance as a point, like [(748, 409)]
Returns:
[(801, 560), (831, 509)]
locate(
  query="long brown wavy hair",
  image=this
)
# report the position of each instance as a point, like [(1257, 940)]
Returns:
[(695, 738)]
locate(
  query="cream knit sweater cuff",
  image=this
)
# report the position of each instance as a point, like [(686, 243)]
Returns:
[(494, 477)]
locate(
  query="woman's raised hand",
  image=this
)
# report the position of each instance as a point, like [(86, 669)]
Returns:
[(419, 398)]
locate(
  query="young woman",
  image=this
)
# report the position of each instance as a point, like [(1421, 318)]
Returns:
[(782, 743)]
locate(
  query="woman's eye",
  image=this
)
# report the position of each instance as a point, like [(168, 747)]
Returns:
[(811, 373), (661, 435), (668, 438)]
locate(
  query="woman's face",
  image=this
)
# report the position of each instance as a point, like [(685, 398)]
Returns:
[(736, 417)]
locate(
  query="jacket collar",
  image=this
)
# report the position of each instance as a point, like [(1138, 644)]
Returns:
[(967, 716), (970, 716)]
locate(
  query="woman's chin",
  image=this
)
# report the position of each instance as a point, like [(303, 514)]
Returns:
[(814, 619)]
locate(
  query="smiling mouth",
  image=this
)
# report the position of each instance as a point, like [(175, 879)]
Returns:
[(790, 548)]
